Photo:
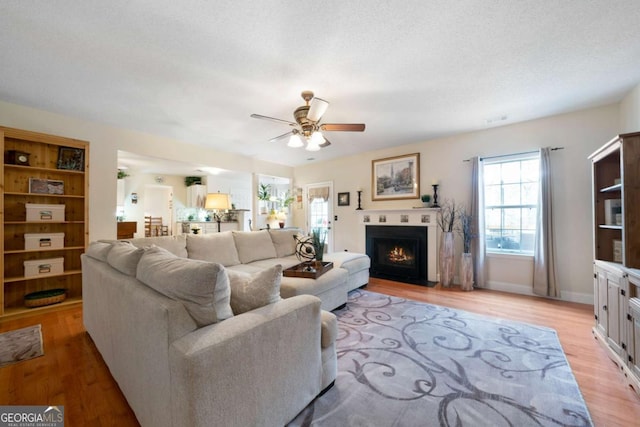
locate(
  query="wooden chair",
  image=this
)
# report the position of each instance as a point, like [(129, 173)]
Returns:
[(153, 227)]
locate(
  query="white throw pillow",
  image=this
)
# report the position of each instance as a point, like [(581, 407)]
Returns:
[(254, 245), (177, 245), (216, 247), (124, 257), (251, 291), (203, 287)]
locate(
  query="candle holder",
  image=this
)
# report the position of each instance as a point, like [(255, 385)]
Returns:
[(435, 196), (359, 208)]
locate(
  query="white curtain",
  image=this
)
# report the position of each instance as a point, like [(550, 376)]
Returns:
[(544, 276), (477, 212)]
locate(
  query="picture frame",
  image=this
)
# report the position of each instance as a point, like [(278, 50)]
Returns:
[(46, 186), (71, 158), (344, 199), (396, 178)]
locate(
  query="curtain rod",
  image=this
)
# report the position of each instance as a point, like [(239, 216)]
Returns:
[(514, 154)]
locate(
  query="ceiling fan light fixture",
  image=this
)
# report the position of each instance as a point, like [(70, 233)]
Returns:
[(317, 138), (312, 146), (295, 141)]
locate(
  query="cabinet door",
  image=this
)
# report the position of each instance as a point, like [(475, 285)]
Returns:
[(616, 311), (633, 348), (601, 300)]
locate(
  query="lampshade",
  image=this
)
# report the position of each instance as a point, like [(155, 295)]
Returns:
[(295, 141), (217, 201), (317, 138), (312, 146)]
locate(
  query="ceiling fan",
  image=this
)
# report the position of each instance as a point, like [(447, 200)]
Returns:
[(308, 125)]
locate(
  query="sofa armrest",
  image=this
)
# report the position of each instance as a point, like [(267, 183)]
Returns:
[(266, 361)]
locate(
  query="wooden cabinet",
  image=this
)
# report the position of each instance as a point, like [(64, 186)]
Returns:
[(616, 200), (126, 229), (56, 174), (616, 251)]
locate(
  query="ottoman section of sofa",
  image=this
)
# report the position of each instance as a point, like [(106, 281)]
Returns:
[(331, 288)]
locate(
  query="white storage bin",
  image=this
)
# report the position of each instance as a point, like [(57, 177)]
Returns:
[(43, 267), (37, 241), (45, 213)]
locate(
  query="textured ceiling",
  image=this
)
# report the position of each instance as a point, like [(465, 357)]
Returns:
[(411, 70)]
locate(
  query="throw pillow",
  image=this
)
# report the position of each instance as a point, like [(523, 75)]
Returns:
[(251, 291), (99, 250), (124, 257), (203, 287), (216, 247), (254, 245)]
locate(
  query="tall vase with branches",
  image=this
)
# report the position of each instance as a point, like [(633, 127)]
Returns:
[(447, 220), (466, 263)]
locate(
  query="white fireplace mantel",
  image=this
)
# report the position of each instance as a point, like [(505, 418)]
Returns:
[(416, 217)]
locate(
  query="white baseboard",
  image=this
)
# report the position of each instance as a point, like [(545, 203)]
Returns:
[(513, 288)]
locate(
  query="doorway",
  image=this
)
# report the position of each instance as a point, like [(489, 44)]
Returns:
[(320, 209), (158, 202)]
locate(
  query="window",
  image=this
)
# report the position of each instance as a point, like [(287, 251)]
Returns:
[(511, 202)]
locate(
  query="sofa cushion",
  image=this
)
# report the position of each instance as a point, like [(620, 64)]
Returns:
[(99, 250), (251, 291), (177, 245), (353, 262), (124, 257), (284, 241), (254, 245), (329, 328), (203, 287), (216, 247)]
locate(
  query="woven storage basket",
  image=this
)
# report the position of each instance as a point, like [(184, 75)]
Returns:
[(42, 298)]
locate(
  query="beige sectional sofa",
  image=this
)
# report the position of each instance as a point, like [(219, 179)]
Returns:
[(197, 335)]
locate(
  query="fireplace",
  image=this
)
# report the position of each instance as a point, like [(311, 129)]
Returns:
[(398, 253)]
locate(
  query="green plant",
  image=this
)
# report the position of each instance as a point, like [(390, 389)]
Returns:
[(318, 238), (287, 199), (426, 198), (264, 192), (192, 180), (122, 174)]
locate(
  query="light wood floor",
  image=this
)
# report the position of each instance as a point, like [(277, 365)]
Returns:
[(72, 373)]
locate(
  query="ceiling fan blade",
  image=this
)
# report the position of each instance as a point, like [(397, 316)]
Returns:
[(273, 119), (283, 136), (326, 143), (317, 108), (345, 127)]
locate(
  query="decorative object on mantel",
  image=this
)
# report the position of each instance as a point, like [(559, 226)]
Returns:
[(396, 178), (426, 199), (446, 218), (359, 208), (466, 262), (435, 195)]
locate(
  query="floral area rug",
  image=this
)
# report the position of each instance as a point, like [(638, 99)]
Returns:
[(406, 363), (20, 344)]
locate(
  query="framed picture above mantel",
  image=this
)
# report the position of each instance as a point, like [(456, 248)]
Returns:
[(396, 178)]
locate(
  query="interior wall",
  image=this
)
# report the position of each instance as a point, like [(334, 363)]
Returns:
[(105, 141), (630, 111), (580, 134)]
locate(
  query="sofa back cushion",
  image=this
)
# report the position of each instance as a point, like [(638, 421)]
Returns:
[(216, 247), (254, 245), (124, 257), (203, 287), (251, 291), (284, 241), (99, 250), (177, 245)]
